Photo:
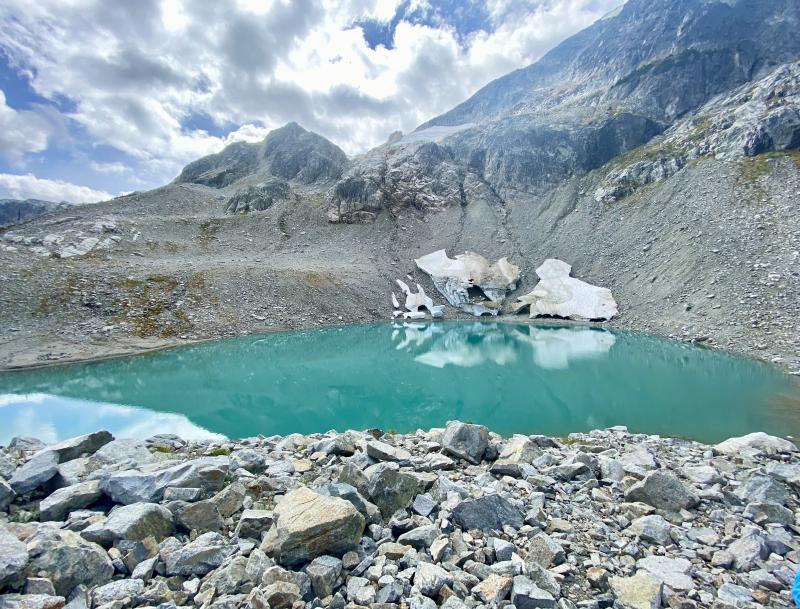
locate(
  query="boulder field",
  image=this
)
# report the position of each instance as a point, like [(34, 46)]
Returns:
[(457, 517)]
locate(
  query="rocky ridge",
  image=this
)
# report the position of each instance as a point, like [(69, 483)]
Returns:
[(456, 517)]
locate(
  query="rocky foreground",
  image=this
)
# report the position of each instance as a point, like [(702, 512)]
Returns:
[(456, 517)]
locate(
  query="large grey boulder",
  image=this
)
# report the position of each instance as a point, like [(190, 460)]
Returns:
[(197, 558), (61, 502), (35, 472), (465, 441), (133, 452), (487, 512), (73, 448), (131, 522), (134, 486), (13, 559), (763, 489), (67, 560), (308, 525), (757, 443), (390, 488), (663, 490)]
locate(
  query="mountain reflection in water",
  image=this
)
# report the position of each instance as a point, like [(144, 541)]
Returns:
[(515, 378)]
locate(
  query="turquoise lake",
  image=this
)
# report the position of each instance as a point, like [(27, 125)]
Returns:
[(514, 378)]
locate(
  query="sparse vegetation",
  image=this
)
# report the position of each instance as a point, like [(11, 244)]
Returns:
[(754, 167), (208, 232)]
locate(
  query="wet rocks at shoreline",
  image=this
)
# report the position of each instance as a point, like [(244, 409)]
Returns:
[(456, 517)]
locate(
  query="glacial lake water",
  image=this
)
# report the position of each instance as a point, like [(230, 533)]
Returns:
[(514, 378)]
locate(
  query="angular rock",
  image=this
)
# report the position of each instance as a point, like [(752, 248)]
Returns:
[(133, 486), (63, 501), (368, 510), (758, 488), (67, 560), (198, 557), (281, 594), (120, 590), (131, 522), (651, 528), (13, 560), (673, 572), (748, 550), (252, 523), (527, 595), (7, 494), (133, 452), (308, 525), (494, 589), (230, 499), (40, 468), (420, 537), (768, 512), (31, 601), (430, 578), (390, 488), (545, 551), (757, 443), (490, 512), (386, 452), (640, 591), (202, 517), (81, 445), (465, 441), (560, 295), (517, 452), (324, 571), (663, 490)]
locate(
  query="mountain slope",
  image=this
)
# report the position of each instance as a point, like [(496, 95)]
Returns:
[(656, 152), (13, 211)]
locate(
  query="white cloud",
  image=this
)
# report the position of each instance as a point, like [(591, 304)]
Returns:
[(29, 186), (21, 131), (136, 72), (109, 167)]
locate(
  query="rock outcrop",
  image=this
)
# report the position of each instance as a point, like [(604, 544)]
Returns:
[(469, 282), (290, 153), (559, 295)]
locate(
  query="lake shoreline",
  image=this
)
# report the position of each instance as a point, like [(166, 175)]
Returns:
[(36, 351), (457, 517)]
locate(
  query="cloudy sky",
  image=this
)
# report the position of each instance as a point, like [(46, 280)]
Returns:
[(99, 98)]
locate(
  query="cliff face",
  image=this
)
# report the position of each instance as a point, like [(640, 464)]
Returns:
[(601, 93)]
